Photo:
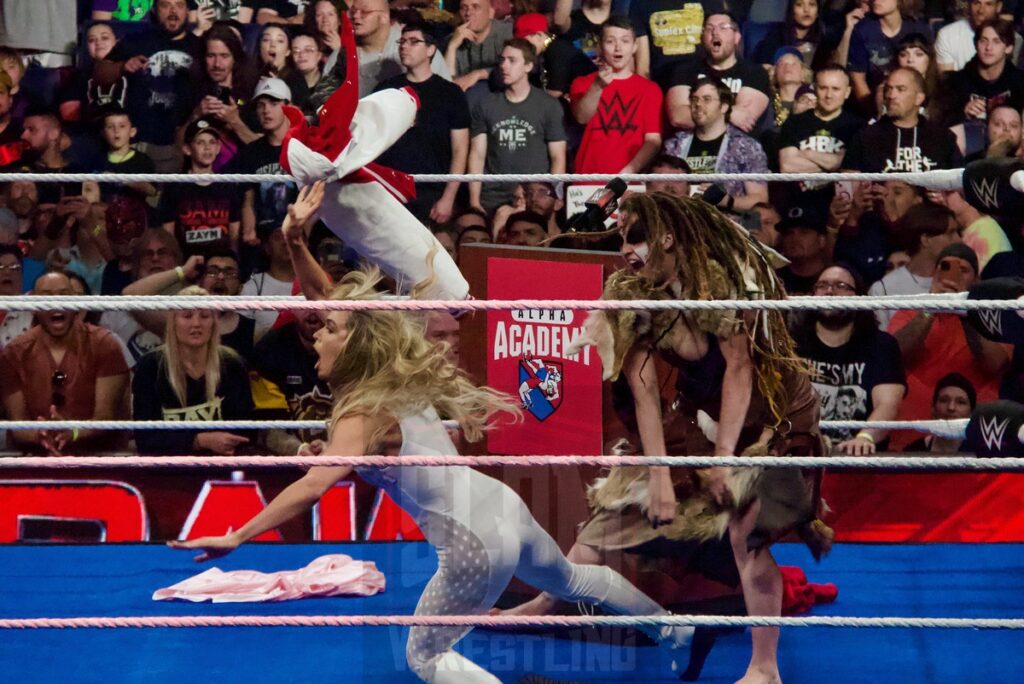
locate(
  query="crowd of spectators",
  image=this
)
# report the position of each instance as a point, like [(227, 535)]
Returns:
[(531, 86)]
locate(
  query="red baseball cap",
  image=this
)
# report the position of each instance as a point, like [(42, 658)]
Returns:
[(528, 24)]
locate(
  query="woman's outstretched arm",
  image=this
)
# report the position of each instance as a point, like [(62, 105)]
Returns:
[(348, 438)]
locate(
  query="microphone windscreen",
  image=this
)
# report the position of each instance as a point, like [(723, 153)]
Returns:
[(994, 429), (988, 188), (999, 326)]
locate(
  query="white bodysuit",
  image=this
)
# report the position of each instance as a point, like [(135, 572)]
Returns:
[(484, 535)]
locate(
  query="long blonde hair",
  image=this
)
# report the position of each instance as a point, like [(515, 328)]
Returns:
[(388, 367), (172, 364)]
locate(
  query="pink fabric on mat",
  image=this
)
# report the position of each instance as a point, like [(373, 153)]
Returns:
[(331, 575)]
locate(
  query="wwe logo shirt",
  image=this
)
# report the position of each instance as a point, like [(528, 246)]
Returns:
[(629, 109)]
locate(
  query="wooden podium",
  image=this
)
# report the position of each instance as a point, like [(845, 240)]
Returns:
[(556, 495)]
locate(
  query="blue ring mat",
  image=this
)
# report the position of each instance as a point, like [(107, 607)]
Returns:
[(946, 580)]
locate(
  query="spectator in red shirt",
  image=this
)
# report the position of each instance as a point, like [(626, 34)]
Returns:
[(934, 344), (620, 109), (64, 368)]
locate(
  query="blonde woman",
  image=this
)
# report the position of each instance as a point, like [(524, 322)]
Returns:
[(191, 377), (387, 379)]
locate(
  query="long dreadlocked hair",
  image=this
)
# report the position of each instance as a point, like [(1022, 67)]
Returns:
[(717, 259)]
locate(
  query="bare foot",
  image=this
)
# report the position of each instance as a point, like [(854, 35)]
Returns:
[(761, 676), (541, 605)]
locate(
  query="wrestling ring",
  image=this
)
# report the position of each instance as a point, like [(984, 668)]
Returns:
[(910, 612)]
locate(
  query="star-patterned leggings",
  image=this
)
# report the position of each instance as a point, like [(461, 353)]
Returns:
[(475, 566)]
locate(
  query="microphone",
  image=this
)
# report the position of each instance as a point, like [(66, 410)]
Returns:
[(598, 208)]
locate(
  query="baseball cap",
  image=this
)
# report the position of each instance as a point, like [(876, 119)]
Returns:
[(201, 126), (810, 216), (787, 50), (529, 24), (274, 88)]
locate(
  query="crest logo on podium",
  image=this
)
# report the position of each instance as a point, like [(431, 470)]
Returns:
[(540, 386)]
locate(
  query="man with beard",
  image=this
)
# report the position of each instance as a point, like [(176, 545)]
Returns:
[(218, 274), (856, 368), (64, 368), (158, 65), (155, 252), (747, 81), (286, 363)]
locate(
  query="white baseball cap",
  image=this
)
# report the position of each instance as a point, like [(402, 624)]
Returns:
[(272, 87)]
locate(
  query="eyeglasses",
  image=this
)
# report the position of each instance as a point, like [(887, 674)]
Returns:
[(304, 51), (837, 286), (704, 99), (409, 41), (539, 193), (718, 27), (57, 382), (225, 273), (11, 267)]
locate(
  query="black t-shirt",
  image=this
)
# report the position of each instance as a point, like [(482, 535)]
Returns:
[(285, 9), (796, 284), (242, 337), (562, 64), (154, 399), (742, 74), (583, 34), (844, 376), (427, 146), (967, 84), (703, 154), (673, 31), (201, 215), (281, 358), (885, 148), (137, 163), (271, 200), (158, 96), (805, 131), (114, 279)]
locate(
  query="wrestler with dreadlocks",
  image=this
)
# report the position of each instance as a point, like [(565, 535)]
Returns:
[(740, 370)]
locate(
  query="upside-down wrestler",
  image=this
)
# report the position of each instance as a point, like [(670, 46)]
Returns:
[(363, 202), (389, 382), (741, 370)]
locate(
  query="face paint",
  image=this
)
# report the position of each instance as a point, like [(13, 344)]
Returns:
[(642, 252)]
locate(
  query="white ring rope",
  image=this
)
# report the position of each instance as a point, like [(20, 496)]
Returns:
[(897, 462), (507, 621), (942, 428), (938, 180), (942, 303)]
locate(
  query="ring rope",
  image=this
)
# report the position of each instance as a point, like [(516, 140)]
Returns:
[(940, 303), (506, 621), (943, 428), (940, 179), (899, 462)]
